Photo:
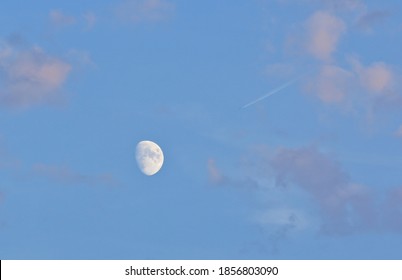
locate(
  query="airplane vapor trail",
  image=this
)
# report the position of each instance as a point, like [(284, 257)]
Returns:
[(271, 93)]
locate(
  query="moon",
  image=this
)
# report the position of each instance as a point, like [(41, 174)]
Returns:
[(149, 157)]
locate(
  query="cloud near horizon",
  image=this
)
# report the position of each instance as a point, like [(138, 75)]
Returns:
[(30, 77)]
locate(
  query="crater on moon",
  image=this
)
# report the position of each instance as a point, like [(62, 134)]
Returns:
[(149, 157)]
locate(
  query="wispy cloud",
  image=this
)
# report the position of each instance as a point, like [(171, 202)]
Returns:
[(343, 5), (215, 175), (398, 132), (138, 11), (277, 225), (280, 70), (367, 20), (90, 20), (323, 33), (30, 77), (282, 217), (59, 19), (80, 58), (6, 161), (393, 208), (66, 175)]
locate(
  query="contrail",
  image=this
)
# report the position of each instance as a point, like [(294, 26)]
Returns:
[(271, 93)]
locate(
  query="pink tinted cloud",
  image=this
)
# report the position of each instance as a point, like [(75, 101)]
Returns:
[(371, 89), (376, 78), (398, 132), (31, 77), (331, 84), (137, 11), (345, 206), (323, 33), (215, 176)]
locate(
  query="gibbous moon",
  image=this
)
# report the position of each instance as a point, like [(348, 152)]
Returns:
[(149, 157)]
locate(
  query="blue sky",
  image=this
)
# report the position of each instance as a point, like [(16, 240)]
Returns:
[(311, 172)]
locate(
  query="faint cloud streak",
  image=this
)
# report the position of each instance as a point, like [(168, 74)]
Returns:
[(66, 175), (393, 208), (343, 5), (214, 174), (59, 19), (217, 178), (90, 19), (138, 11), (369, 19), (398, 132)]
